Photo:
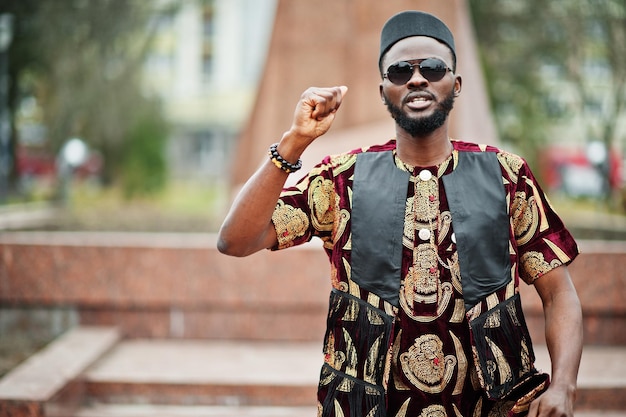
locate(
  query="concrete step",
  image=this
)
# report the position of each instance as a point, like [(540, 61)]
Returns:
[(145, 410), (108, 410), (201, 372), (90, 372), (601, 378), (51, 376)]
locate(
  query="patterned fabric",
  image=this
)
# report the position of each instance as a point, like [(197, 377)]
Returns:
[(430, 367)]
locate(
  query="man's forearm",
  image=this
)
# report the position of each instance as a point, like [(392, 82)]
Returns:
[(248, 223), (564, 338)]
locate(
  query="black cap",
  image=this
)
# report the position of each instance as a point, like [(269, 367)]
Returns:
[(413, 23)]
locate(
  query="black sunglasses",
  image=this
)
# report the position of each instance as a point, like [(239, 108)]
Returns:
[(433, 69)]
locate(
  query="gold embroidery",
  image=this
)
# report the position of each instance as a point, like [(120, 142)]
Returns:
[(424, 275), (342, 163), (422, 283), (342, 223), (426, 202), (511, 163), (399, 384), (321, 196), (333, 357), (374, 317), (455, 272), (352, 311), (348, 269), (492, 301), (543, 219), (527, 362), (434, 411), (289, 222), (462, 369), (459, 311), (374, 410), (403, 409), (369, 373), (425, 365), (351, 354), (354, 288), (446, 223), (535, 264), (525, 217), (493, 320), (504, 370), (444, 300), (562, 257)]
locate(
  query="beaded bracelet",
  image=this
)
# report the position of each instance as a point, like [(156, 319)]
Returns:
[(280, 162)]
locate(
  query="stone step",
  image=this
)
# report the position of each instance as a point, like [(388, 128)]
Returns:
[(601, 377), (139, 410), (51, 375), (91, 370), (145, 410), (201, 372), (225, 373)]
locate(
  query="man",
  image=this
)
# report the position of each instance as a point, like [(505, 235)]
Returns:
[(427, 239)]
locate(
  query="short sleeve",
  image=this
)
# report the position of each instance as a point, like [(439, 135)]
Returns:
[(305, 210), (543, 242)]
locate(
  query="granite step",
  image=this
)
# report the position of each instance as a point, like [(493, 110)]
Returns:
[(50, 378), (201, 372), (151, 410), (102, 375), (236, 374), (134, 410)]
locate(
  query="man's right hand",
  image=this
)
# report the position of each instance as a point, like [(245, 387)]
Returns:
[(248, 227), (315, 112)]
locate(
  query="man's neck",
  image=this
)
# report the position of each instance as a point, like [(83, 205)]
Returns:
[(428, 150)]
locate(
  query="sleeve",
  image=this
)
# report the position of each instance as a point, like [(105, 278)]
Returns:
[(542, 240), (304, 210)]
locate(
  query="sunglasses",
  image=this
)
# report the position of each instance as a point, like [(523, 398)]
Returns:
[(433, 69)]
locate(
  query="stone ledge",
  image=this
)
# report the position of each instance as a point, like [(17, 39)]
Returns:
[(41, 378), (179, 285)]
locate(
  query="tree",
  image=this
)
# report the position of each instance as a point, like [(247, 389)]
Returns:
[(83, 60), (552, 64)]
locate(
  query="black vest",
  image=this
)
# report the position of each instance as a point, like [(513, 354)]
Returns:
[(477, 202)]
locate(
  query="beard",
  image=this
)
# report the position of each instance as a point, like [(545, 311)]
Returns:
[(421, 126)]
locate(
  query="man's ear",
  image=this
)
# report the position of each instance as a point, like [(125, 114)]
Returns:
[(458, 82), (382, 95)]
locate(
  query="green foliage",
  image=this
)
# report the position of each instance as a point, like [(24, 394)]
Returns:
[(82, 61), (143, 166), (554, 67)]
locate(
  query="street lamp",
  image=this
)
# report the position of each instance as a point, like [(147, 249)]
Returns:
[(73, 154)]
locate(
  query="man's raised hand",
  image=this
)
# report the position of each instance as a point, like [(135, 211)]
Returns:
[(315, 112)]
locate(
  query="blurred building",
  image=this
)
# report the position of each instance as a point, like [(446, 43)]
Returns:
[(205, 65), (231, 71)]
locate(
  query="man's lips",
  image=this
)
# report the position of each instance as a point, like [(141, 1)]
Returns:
[(419, 100)]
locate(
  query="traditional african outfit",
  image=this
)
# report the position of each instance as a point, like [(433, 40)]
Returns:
[(398, 341)]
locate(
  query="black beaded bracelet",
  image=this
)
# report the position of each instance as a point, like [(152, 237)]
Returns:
[(280, 162)]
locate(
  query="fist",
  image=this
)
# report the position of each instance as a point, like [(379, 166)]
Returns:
[(316, 110)]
